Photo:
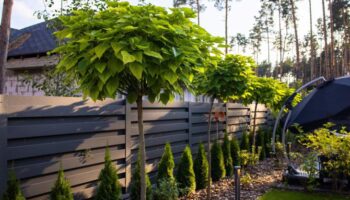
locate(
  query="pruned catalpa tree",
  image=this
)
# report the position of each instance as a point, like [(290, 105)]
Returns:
[(136, 51)]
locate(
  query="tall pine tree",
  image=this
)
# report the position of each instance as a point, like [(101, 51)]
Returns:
[(109, 187)]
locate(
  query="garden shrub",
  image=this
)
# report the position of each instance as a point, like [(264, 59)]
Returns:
[(267, 139), (166, 189), (185, 175), (109, 187), (311, 170), (244, 158), (226, 150), (61, 189), (260, 141), (218, 170), (201, 168), (245, 144), (135, 185), (166, 164), (13, 191), (235, 152)]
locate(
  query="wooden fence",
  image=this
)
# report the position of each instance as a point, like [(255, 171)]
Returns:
[(40, 134)]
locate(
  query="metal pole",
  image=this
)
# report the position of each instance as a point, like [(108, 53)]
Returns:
[(237, 182)]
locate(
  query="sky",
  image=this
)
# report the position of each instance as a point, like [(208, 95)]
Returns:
[(240, 19)]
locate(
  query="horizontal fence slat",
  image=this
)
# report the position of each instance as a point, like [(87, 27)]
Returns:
[(40, 130), (154, 115), (148, 129), (61, 147)]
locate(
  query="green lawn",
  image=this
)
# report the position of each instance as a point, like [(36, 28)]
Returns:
[(292, 195)]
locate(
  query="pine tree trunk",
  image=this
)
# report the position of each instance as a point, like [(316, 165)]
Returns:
[(332, 40), (4, 40), (312, 51), (198, 11), (226, 27), (325, 38), (142, 147), (254, 122), (209, 147), (298, 70), (268, 40), (280, 35)]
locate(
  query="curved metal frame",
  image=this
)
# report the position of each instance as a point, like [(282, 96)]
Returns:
[(289, 114)]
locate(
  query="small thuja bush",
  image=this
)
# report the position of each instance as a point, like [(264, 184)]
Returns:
[(166, 164), (235, 152), (61, 190), (226, 150), (245, 145), (185, 175), (135, 185), (217, 162), (267, 139), (13, 191), (260, 141), (166, 189), (108, 187), (201, 168)]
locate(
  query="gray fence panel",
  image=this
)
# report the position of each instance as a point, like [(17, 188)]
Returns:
[(40, 134)]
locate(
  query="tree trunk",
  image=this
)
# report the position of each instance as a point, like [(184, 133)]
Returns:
[(4, 40), (332, 39), (280, 35), (226, 27), (268, 40), (312, 51), (198, 11), (142, 147), (325, 38), (254, 122), (209, 147), (298, 70)]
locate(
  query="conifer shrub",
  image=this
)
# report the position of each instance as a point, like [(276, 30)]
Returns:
[(13, 191), (61, 190), (109, 187), (185, 175), (217, 162), (166, 189), (226, 150), (235, 152), (135, 185), (245, 144), (166, 164), (201, 168), (260, 141), (267, 139)]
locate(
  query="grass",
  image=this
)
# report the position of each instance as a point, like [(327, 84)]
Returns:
[(292, 195)]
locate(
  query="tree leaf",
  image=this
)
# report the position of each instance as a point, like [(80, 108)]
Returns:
[(153, 54), (115, 65), (101, 49), (170, 76), (116, 47), (127, 58), (136, 69), (100, 66), (112, 86), (131, 97)]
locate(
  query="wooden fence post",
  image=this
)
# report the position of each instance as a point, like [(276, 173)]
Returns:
[(3, 144), (128, 170), (189, 109)]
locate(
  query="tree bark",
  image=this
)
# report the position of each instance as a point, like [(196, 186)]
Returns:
[(268, 39), (280, 35), (298, 70), (198, 11), (4, 40), (142, 147), (226, 26), (325, 38), (254, 122), (335, 71), (209, 147), (312, 51)]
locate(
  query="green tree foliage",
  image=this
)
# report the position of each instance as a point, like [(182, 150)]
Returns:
[(185, 175), (245, 144), (13, 191), (201, 168), (166, 190), (61, 190), (226, 150), (235, 152), (166, 164), (108, 187), (136, 51), (218, 170), (135, 185)]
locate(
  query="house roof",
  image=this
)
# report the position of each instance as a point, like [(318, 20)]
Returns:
[(32, 40)]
